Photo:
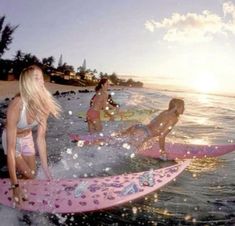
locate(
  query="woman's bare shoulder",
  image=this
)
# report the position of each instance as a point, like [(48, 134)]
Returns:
[(15, 104), (164, 114), (167, 115)]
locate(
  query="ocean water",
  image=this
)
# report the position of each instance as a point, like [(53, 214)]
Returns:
[(204, 194)]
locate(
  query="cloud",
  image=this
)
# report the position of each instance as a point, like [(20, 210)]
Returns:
[(149, 25), (229, 11), (192, 27)]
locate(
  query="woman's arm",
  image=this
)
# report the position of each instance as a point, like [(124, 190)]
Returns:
[(106, 106), (13, 113), (164, 132), (112, 102), (41, 143), (111, 116)]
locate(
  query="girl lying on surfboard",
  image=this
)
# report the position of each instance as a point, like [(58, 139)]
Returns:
[(30, 108), (159, 127), (99, 102)]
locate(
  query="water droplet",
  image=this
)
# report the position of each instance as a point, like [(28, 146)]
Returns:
[(69, 151), (132, 155)]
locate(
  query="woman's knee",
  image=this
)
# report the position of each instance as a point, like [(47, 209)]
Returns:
[(29, 174), (26, 166)]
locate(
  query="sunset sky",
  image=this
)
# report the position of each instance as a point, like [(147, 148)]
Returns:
[(187, 43)]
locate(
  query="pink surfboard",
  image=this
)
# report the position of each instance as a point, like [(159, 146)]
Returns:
[(187, 151), (173, 150), (89, 194)]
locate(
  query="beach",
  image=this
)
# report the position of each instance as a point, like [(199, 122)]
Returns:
[(8, 89)]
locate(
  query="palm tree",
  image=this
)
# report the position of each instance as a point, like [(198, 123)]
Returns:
[(101, 75), (19, 56), (94, 72), (47, 65), (48, 61), (113, 77), (65, 68), (18, 63), (60, 63), (6, 35), (22, 60), (81, 72), (30, 59)]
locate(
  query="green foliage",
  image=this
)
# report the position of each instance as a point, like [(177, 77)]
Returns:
[(23, 60), (48, 61), (5, 67), (65, 68), (6, 35)]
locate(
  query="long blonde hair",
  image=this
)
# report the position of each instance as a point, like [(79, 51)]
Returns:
[(38, 100)]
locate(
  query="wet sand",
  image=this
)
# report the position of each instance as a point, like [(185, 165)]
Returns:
[(10, 88)]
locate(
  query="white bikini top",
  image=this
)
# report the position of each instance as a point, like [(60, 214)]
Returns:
[(23, 124)]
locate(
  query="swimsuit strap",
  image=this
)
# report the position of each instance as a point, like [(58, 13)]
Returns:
[(22, 120), (23, 124)]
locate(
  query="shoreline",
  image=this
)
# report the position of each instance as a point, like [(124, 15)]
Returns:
[(9, 89)]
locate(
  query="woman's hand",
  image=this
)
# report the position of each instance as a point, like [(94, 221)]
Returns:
[(48, 174), (18, 196), (163, 155)]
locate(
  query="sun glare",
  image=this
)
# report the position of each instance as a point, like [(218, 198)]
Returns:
[(205, 83)]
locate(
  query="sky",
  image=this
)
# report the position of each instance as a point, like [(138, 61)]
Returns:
[(178, 43)]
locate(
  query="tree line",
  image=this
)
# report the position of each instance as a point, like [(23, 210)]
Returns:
[(21, 60)]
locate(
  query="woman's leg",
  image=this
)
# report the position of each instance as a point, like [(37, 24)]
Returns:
[(128, 131), (25, 156), (97, 125), (94, 121), (90, 126), (94, 126), (26, 166)]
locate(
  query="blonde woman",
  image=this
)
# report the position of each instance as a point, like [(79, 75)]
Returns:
[(30, 108)]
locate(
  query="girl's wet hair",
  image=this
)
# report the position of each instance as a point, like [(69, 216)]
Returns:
[(175, 102), (101, 84), (37, 98)]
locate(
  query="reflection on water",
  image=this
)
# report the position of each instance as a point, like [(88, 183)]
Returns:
[(204, 140), (136, 100), (204, 98), (204, 165), (200, 120)]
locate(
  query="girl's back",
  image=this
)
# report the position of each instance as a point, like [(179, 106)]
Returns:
[(164, 119)]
